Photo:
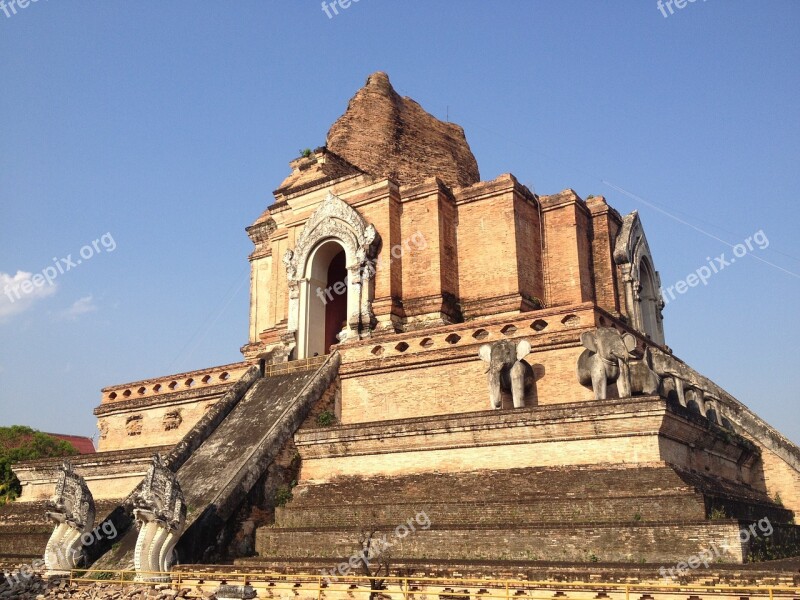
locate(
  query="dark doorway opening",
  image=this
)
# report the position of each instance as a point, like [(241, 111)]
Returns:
[(336, 308)]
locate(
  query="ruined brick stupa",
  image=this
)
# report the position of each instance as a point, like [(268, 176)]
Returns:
[(423, 341)]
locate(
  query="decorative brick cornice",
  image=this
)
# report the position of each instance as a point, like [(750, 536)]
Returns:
[(171, 384), (181, 397)]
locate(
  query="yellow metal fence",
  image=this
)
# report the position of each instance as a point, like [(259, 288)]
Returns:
[(294, 366), (412, 588)]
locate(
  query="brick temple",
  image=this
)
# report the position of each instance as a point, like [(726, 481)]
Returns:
[(422, 341)]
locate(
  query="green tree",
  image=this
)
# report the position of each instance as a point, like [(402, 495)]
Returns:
[(23, 443)]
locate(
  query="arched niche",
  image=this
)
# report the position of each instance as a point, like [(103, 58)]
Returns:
[(335, 227), (640, 281), (325, 299)]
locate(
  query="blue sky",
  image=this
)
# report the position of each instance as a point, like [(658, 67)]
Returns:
[(165, 126)]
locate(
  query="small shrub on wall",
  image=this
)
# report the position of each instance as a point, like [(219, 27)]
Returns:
[(326, 418)]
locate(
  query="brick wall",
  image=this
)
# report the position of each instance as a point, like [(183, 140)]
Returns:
[(568, 276), (605, 226)]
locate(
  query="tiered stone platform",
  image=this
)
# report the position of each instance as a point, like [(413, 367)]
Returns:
[(614, 514), (633, 480), (522, 497)]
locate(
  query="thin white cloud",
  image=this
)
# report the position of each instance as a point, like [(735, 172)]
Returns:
[(20, 292), (79, 307)]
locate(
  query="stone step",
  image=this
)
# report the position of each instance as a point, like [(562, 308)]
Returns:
[(23, 544), (519, 484), (677, 507), (663, 543), (532, 495)]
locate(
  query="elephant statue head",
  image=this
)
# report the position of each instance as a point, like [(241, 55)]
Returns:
[(605, 361), (507, 371)]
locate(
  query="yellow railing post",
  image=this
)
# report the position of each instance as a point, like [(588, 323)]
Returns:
[(627, 592), (770, 594), (319, 587), (507, 596)]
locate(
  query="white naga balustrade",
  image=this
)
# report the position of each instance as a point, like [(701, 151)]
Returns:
[(160, 513), (72, 510)]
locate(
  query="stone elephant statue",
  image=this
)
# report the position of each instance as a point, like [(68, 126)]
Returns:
[(606, 360), (507, 371), (687, 383)]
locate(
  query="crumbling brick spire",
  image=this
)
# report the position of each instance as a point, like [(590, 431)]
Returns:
[(390, 136)]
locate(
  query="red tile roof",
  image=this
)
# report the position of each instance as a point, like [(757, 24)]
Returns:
[(83, 445)]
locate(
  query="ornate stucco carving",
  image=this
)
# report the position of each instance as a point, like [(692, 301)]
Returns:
[(160, 512), (72, 509), (172, 420), (133, 425), (641, 283), (336, 219)]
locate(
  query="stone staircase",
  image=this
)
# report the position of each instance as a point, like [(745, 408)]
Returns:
[(217, 475)]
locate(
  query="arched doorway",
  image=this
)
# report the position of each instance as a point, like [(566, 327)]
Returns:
[(325, 299), (333, 227)]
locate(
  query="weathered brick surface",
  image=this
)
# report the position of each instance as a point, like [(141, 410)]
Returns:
[(484, 498), (497, 245), (605, 226), (577, 433), (639, 513), (568, 276), (437, 375), (390, 136), (610, 543)]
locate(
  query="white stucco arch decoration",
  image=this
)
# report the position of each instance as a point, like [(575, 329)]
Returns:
[(334, 220), (641, 282)]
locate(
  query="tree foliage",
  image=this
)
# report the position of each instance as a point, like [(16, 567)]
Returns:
[(19, 443)]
